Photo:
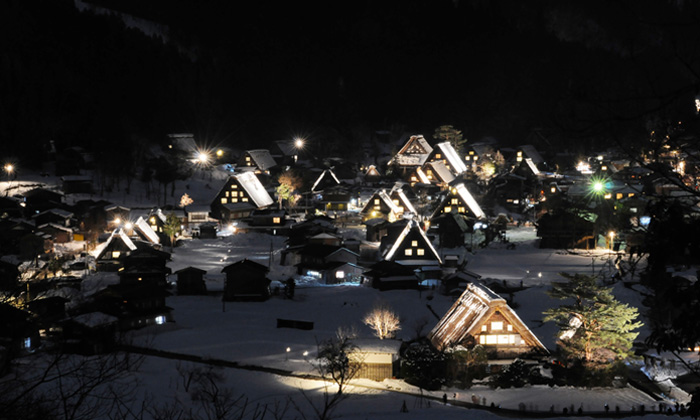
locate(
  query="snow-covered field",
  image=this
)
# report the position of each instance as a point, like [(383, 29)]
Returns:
[(246, 333)]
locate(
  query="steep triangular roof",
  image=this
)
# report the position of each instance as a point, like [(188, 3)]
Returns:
[(414, 153), (145, 230), (398, 194), (453, 159), (463, 193), (117, 235), (255, 190), (326, 178), (411, 230), (384, 197), (439, 171), (472, 310), (262, 158)]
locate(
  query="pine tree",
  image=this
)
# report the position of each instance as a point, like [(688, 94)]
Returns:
[(171, 227), (451, 134), (595, 326)]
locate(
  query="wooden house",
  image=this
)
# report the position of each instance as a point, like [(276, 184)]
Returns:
[(455, 283), (380, 206), (268, 217), (108, 255), (246, 280), (240, 195), (400, 199), (76, 184), (390, 275), (144, 265), (378, 359), (329, 264), (9, 275), (451, 228), (145, 232), (418, 176), (438, 174), (413, 154), (335, 198), (372, 175), (197, 214), (59, 234), (135, 305), (413, 248), (460, 200), (445, 153), (482, 317), (190, 281), (327, 179), (326, 238), (55, 216), (89, 333), (259, 160), (41, 199)]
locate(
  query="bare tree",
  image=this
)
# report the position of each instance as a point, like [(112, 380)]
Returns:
[(383, 320)]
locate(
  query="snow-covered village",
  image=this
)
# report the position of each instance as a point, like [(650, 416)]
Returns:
[(215, 213)]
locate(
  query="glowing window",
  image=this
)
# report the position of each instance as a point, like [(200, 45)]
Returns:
[(447, 209), (116, 254), (466, 158), (454, 201), (234, 186), (234, 193), (408, 252), (340, 274), (438, 156), (476, 157), (497, 326), (491, 339), (461, 210), (244, 199), (226, 193), (420, 251), (483, 328), (247, 158), (509, 327), (276, 220), (414, 243), (376, 201), (619, 196), (234, 200), (224, 200), (160, 319), (28, 343), (396, 201)]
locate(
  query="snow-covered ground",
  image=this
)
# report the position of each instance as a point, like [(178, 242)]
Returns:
[(246, 332)]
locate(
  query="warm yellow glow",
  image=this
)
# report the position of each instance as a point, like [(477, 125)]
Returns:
[(9, 168), (298, 143), (219, 153), (611, 234), (117, 220)]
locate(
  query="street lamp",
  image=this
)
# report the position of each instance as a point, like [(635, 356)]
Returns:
[(9, 168), (612, 239)]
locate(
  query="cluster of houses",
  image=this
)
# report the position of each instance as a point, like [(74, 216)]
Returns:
[(423, 201)]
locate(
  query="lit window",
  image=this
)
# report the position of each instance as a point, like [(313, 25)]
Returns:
[(376, 201), (160, 319), (116, 254), (396, 201), (466, 158), (491, 339), (496, 325), (408, 252), (447, 209), (438, 156), (247, 158), (244, 199), (461, 210), (234, 193), (619, 196), (476, 158), (276, 220), (420, 251), (377, 207), (234, 200), (414, 243), (234, 186), (224, 200), (454, 201), (227, 193), (509, 327), (483, 328), (28, 343), (340, 274)]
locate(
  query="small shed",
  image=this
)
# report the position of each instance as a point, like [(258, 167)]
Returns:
[(378, 359), (246, 280), (190, 281)]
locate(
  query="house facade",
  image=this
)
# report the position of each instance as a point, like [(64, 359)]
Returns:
[(240, 195)]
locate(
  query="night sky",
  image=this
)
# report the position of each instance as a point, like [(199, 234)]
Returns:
[(243, 74)]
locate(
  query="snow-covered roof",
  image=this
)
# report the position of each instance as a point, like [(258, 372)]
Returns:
[(532, 153), (414, 153), (145, 229), (403, 200), (262, 158), (412, 226), (452, 157), (382, 195), (422, 177), (532, 166), (440, 170), (255, 190), (326, 172), (464, 193)]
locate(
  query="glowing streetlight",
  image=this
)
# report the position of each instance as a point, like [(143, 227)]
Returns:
[(202, 158), (9, 169), (611, 234), (219, 153), (298, 143)]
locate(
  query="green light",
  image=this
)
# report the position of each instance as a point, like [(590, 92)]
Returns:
[(598, 186)]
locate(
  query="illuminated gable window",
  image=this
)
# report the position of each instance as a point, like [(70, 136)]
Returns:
[(619, 196), (438, 156), (414, 243), (476, 158), (116, 254), (234, 186), (408, 252), (247, 158), (234, 193), (484, 328), (396, 201), (376, 201), (244, 199), (471, 152), (454, 201), (447, 209), (467, 157), (224, 200), (509, 327), (340, 274), (226, 193), (234, 200), (420, 252), (461, 210), (276, 220), (496, 325)]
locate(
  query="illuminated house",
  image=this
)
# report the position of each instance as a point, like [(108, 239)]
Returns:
[(480, 316), (241, 194), (380, 206), (109, 254), (372, 174), (329, 264), (445, 153), (438, 174), (400, 200), (144, 231), (459, 200), (327, 179), (412, 248), (413, 154), (260, 160)]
